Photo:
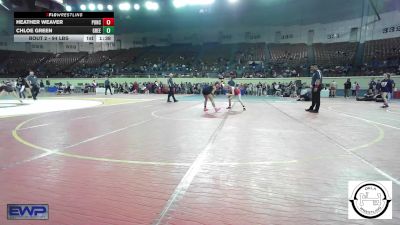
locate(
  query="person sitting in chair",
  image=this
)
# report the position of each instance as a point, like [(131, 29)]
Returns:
[(305, 95), (277, 90), (369, 96)]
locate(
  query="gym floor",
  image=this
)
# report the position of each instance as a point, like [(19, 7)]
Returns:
[(140, 160)]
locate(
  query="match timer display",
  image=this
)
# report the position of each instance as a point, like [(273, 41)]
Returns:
[(64, 26)]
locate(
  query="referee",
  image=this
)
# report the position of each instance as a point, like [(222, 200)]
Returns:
[(316, 87), (107, 86), (33, 82), (171, 88)]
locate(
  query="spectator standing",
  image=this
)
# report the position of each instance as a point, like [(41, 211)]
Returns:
[(390, 94), (264, 89), (378, 87), (332, 87), (67, 88), (372, 85), (386, 87), (94, 86), (347, 87), (259, 89), (353, 89), (41, 85), (357, 89)]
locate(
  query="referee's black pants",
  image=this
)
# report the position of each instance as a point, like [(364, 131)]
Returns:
[(35, 91), (108, 88), (171, 93), (316, 100)]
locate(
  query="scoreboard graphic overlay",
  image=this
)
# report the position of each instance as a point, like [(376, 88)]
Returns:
[(63, 26)]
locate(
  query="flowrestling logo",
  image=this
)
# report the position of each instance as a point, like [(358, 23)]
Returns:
[(370, 200), (27, 211)]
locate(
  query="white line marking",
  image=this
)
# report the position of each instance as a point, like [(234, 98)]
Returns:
[(343, 147), (50, 152), (108, 133), (26, 160), (184, 184), (370, 164), (40, 125), (79, 118), (359, 157), (363, 119), (76, 118)]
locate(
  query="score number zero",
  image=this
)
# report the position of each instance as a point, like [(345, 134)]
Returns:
[(108, 25), (108, 21)]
